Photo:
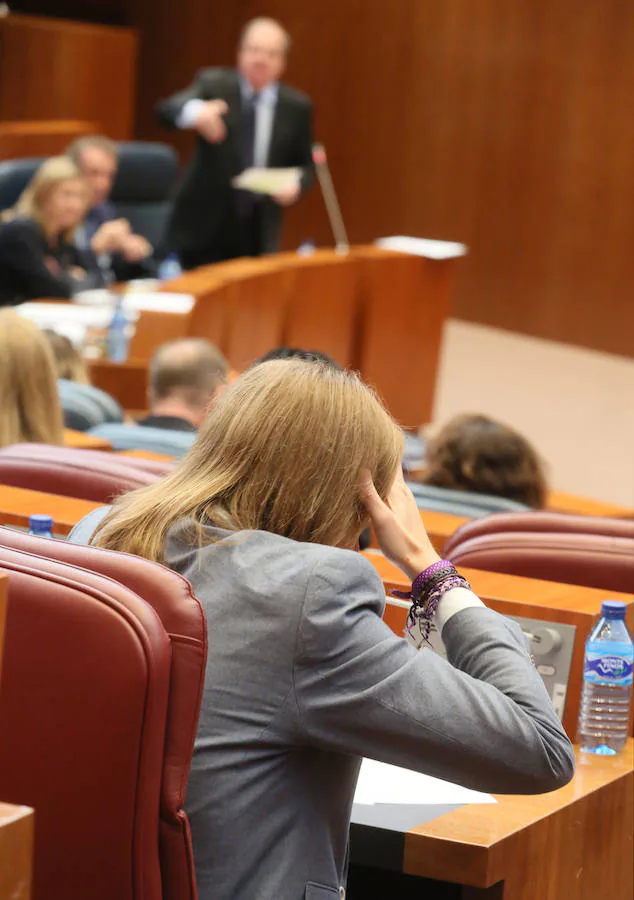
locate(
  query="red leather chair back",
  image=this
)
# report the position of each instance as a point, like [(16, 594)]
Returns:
[(181, 617), (590, 560), (85, 474), (543, 522)]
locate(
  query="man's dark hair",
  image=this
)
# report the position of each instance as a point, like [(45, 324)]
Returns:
[(298, 353)]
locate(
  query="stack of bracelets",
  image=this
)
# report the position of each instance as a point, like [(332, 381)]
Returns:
[(427, 591)]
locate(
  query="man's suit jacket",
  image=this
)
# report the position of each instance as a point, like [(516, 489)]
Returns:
[(205, 200), (303, 678)]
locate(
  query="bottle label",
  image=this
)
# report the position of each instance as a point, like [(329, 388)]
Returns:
[(607, 669)]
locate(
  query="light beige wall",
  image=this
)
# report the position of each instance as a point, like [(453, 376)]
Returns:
[(576, 405)]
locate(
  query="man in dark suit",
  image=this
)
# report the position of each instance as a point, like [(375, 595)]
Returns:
[(244, 117)]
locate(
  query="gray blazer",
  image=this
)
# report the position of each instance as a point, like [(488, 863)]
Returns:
[(303, 679)]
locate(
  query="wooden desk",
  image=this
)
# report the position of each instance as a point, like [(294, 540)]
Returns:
[(439, 526), (377, 311), (558, 501), (572, 844), (156, 328), (526, 597), (127, 382), (147, 454), (16, 851), (17, 504), (405, 301), (83, 441)]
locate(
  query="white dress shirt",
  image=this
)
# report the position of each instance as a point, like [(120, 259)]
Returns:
[(264, 116)]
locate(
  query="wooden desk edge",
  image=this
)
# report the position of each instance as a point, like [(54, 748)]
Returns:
[(17, 833), (479, 861)]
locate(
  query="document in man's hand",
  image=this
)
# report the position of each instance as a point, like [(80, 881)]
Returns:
[(267, 181)]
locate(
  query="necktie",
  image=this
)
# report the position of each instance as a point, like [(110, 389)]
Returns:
[(249, 107)]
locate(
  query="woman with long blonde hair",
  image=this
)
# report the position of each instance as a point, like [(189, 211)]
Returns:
[(303, 677), (29, 404), (38, 257)]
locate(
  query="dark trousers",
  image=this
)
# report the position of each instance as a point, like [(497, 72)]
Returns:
[(375, 884), (240, 235)]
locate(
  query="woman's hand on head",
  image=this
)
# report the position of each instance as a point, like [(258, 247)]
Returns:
[(398, 525)]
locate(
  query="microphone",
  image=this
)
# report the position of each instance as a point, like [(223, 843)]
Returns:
[(342, 244)]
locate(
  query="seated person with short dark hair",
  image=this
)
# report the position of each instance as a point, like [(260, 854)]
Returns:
[(185, 376), (476, 454), (121, 253), (38, 257)]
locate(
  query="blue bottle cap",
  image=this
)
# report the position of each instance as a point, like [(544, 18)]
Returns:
[(41, 523), (613, 609)]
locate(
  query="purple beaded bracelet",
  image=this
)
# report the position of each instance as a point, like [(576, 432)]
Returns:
[(428, 589), (418, 584)]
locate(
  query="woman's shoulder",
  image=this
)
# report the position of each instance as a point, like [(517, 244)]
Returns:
[(312, 567), (276, 559), (19, 227)]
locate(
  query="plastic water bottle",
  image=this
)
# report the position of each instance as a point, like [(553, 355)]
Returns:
[(170, 268), (118, 335), (41, 526), (306, 248), (607, 683)]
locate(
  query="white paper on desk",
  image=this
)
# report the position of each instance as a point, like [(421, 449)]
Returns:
[(70, 321), (267, 181), (155, 301), (422, 247), (381, 783), (61, 315)]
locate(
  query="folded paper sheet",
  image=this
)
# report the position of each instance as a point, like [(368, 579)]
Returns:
[(422, 247), (381, 783), (398, 799), (267, 181)]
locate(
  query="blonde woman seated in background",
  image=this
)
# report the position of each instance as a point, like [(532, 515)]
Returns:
[(38, 257), (303, 677), (477, 454), (70, 364), (29, 404), (84, 405)]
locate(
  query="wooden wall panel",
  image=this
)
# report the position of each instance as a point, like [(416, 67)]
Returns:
[(54, 69), (42, 137), (503, 125), (112, 12)]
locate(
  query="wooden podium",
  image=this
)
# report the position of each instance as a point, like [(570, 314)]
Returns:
[(375, 310)]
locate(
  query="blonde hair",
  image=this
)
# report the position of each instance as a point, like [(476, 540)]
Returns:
[(29, 403), (50, 175), (68, 361), (281, 451)]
